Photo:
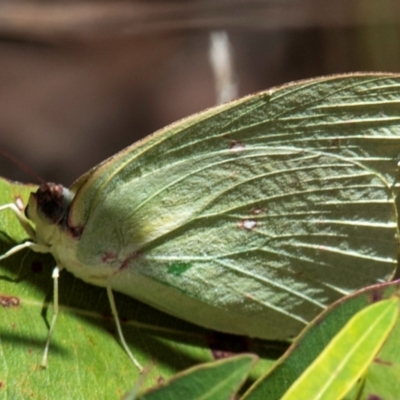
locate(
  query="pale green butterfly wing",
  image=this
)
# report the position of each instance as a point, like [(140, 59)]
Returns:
[(356, 116), (252, 217)]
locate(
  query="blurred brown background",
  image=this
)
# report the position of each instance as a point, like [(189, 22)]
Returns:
[(80, 80)]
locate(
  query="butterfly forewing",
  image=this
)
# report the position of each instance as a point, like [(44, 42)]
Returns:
[(266, 209)]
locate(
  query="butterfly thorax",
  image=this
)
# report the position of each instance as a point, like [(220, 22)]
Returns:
[(48, 209)]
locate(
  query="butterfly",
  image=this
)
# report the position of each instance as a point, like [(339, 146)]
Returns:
[(248, 218)]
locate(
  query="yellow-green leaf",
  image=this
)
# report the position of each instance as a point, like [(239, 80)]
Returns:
[(348, 355)]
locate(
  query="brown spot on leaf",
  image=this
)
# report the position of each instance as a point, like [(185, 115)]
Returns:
[(382, 362), (1, 384), (9, 301)]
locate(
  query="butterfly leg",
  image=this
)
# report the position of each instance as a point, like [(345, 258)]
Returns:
[(120, 334), (55, 275), (25, 245), (24, 221)]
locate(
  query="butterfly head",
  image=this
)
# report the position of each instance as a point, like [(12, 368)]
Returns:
[(49, 204)]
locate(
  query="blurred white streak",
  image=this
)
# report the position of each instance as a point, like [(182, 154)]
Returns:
[(221, 60)]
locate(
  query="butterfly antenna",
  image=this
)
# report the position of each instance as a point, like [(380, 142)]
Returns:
[(22, 166)]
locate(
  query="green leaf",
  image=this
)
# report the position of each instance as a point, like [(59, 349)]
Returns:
[(315, 338), (218, 380), (348, 355)]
